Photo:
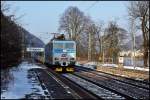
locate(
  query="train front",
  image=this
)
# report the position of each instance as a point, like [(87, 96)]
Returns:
[(64, 55)]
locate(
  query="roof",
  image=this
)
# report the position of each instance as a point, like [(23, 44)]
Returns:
[(51, 41)]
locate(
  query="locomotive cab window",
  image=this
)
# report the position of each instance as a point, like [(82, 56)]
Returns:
[(69, 45), (58, 45)]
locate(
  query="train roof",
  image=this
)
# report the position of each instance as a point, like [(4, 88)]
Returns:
[(51, 41), (61, 40), (60, 37)]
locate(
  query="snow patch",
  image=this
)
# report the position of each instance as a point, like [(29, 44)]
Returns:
[(109, 65), (28, 66), (21, 85), (78, 64), (136, 68), (91, 65), (101, 92)]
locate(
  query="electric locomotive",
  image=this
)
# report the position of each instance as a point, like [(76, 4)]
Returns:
[(60, 54)]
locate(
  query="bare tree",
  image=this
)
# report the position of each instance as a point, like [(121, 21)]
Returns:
[(94, 40), (123, 36), (73, 22), (4, 6), (10, 13), (140, 10), (99, 31), (113, 40), (91, 33), (11, 35)]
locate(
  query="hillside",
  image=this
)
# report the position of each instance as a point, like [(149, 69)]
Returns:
[(31, 40), (11, 41), (138, 43)]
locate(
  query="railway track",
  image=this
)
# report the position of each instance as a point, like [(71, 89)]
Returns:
[(137, 83), (94, 92), (100, 85), (101, 92), (121, 87), (77, 91)]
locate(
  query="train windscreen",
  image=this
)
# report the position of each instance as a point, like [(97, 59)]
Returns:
[(58, 45), (69, 45)]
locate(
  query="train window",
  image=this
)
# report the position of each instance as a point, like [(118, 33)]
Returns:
[(69, 45), (58, 45)]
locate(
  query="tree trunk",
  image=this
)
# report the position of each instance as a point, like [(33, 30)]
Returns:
[(145, 43)]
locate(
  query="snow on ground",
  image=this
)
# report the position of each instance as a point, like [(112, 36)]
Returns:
[(109, 65), (92, 65), (28, 66), (21, 85), (101, 92), (136, 68), (78, 64)]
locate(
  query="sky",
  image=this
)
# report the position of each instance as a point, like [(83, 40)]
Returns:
[(42, 17)]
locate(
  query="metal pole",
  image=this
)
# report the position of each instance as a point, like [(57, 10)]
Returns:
[(89, 48), (102, 49), (134, 47), (101, 44), (133, 42)]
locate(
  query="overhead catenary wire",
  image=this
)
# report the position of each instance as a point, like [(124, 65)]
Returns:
[(90, 37), (87, 9)]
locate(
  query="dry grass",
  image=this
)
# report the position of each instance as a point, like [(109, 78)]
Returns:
[(135, 74), (120, 71)]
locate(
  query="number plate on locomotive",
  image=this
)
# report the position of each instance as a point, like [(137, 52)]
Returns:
[(64, 59)]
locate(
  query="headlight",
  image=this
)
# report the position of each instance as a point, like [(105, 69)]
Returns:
[(72, 59), (56, 58)]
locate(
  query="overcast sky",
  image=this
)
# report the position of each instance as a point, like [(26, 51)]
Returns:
[(43, 16)]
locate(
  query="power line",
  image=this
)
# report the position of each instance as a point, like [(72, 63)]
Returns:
[(91, 6)]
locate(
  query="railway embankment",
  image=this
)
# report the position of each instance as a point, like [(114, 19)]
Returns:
[(113, 69)]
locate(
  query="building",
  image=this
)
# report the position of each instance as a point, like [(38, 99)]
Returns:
[(129, 53)]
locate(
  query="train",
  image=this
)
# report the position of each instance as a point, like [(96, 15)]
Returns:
[(59, 54)]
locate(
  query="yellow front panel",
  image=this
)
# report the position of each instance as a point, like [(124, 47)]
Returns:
[(69, 69), (58, 69)]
